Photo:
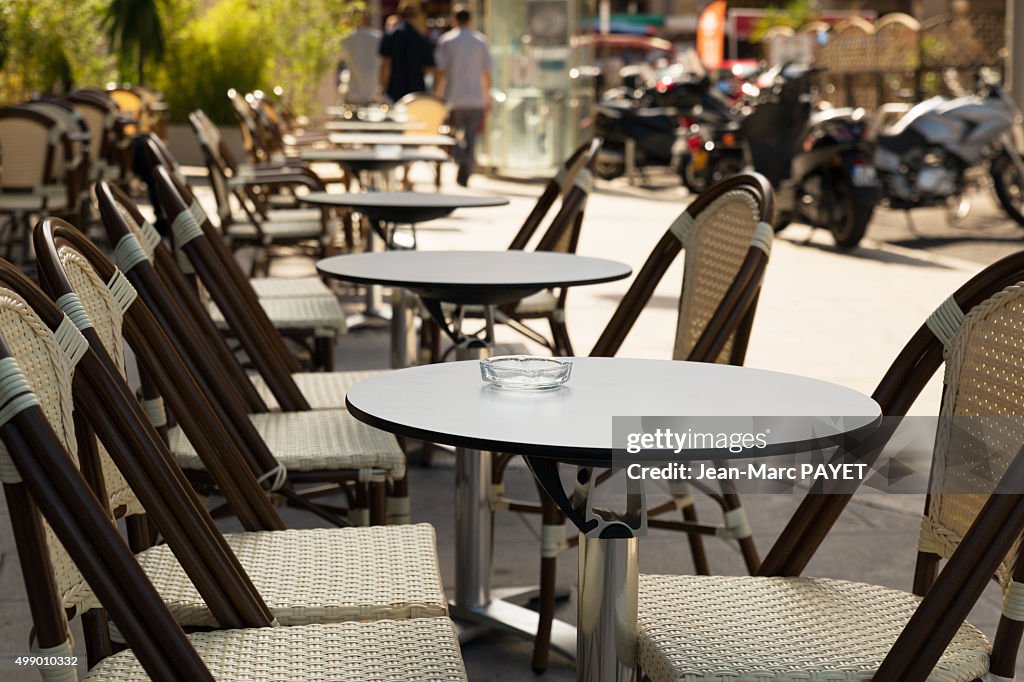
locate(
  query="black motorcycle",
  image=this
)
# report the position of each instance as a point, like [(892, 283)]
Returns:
[(640, 123), (819, 162)]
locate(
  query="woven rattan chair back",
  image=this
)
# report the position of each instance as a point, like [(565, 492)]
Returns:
[(251, 142), (727, 239), (424, 109), (66, 257), (217, 165), (34, 152), (981, 422), (898, 389), (560, 184), (76, 143), (131, 105), (100, 116)]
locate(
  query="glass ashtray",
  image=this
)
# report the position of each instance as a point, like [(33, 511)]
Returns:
[(525, 372)]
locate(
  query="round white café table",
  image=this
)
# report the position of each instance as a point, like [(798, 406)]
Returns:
[(485, 278), (448, 403)]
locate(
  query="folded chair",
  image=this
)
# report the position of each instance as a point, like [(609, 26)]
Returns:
[(779, 626), (328, 449), (302, 309), (39, 475), (726, 239), (263, 228)]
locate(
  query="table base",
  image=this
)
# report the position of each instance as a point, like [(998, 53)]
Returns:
[(504, 616)]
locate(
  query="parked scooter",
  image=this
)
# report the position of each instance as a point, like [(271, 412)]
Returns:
[(923, 160), (640, 123), (819, 162)]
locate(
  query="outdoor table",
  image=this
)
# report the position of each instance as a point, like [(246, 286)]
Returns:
[(573, 424), (391, 208), (404, 140), (359, 161), (485, 278), (361, 125)]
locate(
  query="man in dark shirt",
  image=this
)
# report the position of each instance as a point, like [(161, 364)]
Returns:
[(406, 55)]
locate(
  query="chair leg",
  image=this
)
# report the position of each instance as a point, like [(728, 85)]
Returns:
[(560, 337), (378, 503), (359, 512), (736, 521), (398, 512), (552, 543), (700, 557), (324, 347), (97, 636)]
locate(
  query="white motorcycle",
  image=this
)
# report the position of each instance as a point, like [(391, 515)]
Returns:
[(923, 160)]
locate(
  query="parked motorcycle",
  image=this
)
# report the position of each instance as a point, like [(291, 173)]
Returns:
[(640, 123), (924, 159), (819, 162)]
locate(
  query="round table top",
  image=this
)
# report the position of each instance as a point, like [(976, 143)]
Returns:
[(448, 403), (373, 156), (383, 138), (402, 199), (359, 125), (473, 277)]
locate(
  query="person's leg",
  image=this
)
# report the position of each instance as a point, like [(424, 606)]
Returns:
[(467, 123)]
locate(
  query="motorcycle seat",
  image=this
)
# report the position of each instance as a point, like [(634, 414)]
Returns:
[(901, 141)]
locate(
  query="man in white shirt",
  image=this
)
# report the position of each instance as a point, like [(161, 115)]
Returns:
[(463, 79), (362, 61)]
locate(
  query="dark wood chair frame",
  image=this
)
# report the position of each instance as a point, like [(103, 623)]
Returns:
[(733, 319), (53, 484), (217, 370)]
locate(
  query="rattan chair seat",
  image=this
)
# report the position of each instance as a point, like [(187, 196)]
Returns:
[(541, 303), (275, 230), (292, 214), (54, 198), (289, 287), (322, 390), (323, 314), (732, 629), (318, 440), (380, 651), (322, 575)]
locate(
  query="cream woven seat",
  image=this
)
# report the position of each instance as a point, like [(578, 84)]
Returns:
[(381, 651), (289, 287), (728, 629), (322, 575), (323, 314), (277, 230), (539, 303), (323, 390), (312, 441)]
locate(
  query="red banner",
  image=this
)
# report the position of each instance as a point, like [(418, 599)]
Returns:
[(711, 35)]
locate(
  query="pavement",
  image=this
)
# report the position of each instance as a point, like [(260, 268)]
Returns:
[(835, 316)]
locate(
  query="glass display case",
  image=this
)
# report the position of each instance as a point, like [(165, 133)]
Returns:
[(543, 90)]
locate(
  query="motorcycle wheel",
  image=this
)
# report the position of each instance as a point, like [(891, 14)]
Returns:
[(855, 215), (608, 170), (1009, 186), (692, 180)]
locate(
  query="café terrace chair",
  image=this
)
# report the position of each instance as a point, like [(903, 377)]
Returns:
[(100, 113), (726, 239), (573, 182), (780, 626), (265, 287), (302, 309), (70, 550), (77, 168), (325, 451), (35, 158), (263, 228), (429, 113)]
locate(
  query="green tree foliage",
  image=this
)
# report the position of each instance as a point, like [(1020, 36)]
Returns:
[(135, 33), (224, 48), (46, 44), (794, 14)]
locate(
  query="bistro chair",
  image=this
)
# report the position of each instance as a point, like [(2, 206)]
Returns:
[(36, 152), (101, 117), (726, 239), (429, 113), (263, 229), (327, 449), (39, 475), (780, 626), (574, 182), (302, 309), (77, 169)]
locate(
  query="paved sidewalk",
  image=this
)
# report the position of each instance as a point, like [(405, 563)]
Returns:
[(834, 316)]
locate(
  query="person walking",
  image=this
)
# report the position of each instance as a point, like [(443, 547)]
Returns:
[(362, 61), (463, 80), (406, 56)]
